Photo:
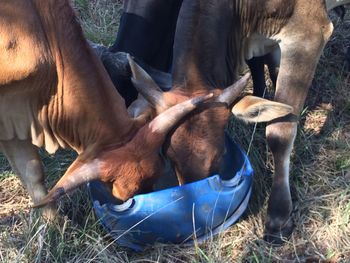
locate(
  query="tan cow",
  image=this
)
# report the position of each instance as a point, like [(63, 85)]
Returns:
[(54, 92), (261, 50)]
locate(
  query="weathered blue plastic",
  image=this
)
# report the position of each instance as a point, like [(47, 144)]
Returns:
[(179, 214)]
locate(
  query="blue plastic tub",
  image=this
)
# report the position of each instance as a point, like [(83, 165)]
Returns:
[(179, 214)]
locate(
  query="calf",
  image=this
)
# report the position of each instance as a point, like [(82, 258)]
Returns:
[(54, 92)]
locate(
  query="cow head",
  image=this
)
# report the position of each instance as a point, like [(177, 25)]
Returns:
[(196, 146), (131, 167)]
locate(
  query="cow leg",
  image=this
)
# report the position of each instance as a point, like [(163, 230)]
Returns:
[(256, 66), (272, 60), (298, 63), (280, 138), (25, 162), (147, 30)]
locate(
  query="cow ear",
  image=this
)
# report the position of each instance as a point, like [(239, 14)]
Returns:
[(255, 109)]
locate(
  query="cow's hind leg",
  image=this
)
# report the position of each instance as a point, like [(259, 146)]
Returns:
[(272, 60), (256, 66), (26, 163), (298, 63)]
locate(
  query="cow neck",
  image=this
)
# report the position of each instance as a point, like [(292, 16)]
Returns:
[(210, 53), (262, 17), (217, 55), (86, 109)]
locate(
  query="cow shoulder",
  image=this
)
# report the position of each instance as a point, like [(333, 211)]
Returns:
[(22, 41)]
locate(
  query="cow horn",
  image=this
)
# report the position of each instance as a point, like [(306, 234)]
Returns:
[(77, 174), (146, 85), (232, 92), (167, 119)]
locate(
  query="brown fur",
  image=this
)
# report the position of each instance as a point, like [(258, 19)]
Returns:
[(302, 28), (54, 92), (195, 147), (211, 40), (134, 167)]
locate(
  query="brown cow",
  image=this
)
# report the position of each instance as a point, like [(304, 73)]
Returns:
[(211, 40), (54, 92)]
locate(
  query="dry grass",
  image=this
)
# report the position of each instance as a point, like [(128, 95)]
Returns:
[(320, 177), (98, 18)]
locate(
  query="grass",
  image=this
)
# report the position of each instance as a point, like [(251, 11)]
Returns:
[(99, 19), (320, 179)]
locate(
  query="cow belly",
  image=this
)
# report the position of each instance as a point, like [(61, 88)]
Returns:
[(258, 45), (19, 120)]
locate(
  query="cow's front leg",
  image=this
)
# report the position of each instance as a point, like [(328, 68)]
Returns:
[(280, 138), (298, 63), (26, 163)]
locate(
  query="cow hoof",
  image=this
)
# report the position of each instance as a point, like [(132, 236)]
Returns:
[(277, 236)]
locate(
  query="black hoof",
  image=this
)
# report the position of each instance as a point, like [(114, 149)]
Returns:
[(278, 236)]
